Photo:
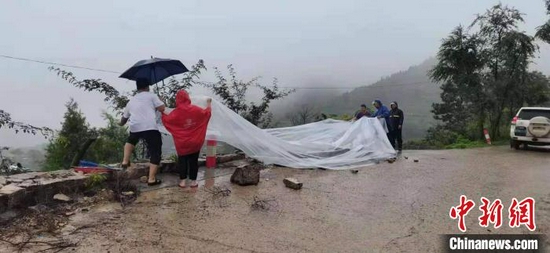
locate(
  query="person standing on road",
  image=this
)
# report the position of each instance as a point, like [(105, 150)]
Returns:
[(363, 112), (396, 126), (188, 124), (382, 112), (141, 113)]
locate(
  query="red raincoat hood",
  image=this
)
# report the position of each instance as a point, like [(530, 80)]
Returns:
[(188, 124), (182, 98)]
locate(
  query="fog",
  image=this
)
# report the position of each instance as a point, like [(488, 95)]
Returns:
[(302, 43)]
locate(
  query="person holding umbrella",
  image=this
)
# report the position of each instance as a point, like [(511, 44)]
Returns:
[(141, 113), (141, 110)]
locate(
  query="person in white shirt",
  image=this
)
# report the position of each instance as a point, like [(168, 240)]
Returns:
[(140, 112)]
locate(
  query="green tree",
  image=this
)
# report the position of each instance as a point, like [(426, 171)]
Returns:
[(508, 53), (109, 146), (486, 75), (537, 90), (74, 130), (459, 69), (543, 31)]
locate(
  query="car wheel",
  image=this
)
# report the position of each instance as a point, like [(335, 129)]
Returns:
[(515, 144)]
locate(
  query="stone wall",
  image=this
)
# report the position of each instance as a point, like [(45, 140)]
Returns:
[(28, 189)]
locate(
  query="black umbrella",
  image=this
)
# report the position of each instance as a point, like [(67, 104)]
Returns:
[(154, 70)]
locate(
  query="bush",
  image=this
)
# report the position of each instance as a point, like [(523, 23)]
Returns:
[(95, 181), (419, 144), (344, 117), (440, 138), (61, 150)]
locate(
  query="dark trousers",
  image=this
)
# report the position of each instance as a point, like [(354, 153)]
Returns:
[(395, 135), (153, 139), (188, 165)]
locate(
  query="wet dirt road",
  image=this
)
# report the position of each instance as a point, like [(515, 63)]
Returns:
[(399, 207)]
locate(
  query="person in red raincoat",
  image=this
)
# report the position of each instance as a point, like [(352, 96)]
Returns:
[(188, 123)]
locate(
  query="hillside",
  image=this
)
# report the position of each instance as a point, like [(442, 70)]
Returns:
[(411, 88)]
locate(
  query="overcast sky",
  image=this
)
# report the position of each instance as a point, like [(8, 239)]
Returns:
[(301, 42)]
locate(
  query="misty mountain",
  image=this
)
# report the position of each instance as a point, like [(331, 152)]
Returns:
[(412, 90)]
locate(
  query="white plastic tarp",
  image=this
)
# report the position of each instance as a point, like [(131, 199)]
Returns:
[(329, 144)]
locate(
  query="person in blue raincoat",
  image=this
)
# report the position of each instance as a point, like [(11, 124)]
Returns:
[(382, 112)]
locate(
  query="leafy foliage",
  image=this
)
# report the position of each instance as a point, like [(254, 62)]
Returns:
[(6, 120), (233, 93), (168, 91), (75, 129), (459, 68), (118, 101), (75, 132), (113, 96), (543, 31), (485, 75), (95, 181), (109, 147)]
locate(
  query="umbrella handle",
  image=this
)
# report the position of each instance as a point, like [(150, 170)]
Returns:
[(157, 84)]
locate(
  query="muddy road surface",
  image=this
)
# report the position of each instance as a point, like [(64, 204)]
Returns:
[(398, 207)]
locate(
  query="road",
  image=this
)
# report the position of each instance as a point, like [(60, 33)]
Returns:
[(398, 207)]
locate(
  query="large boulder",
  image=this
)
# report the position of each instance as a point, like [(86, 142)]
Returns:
[(247, 175)]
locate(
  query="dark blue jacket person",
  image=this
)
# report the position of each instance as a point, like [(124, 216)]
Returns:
[(381, 111)]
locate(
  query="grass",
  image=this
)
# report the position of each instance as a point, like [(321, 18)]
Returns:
[(95, 181), (460, 143), (464, 144)]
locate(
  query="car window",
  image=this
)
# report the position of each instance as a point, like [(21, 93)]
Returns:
[(528, 114)]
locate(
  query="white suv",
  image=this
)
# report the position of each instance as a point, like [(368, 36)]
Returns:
[(530, 126)]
